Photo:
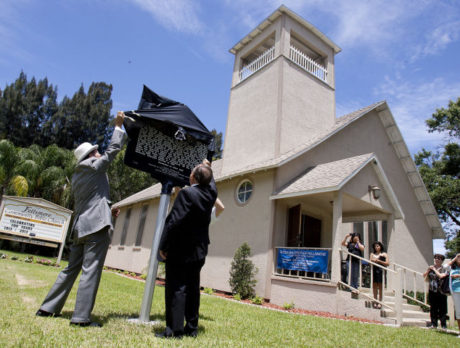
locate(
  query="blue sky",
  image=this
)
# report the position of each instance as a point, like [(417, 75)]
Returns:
[(402, 51)]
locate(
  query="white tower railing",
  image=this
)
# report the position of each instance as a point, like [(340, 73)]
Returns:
[(257, 63), (308, 64), (295, 55)]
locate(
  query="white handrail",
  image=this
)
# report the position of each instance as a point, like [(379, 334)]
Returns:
[(257, 63), (407, 272), (308, 64)]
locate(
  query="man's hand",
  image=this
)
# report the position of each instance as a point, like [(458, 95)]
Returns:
[(115, 212), (175, 192), (163, 254), (119, 119)]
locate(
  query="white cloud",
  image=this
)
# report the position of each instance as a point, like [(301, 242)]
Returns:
[(437, 40), (412, 104), (180, 15)]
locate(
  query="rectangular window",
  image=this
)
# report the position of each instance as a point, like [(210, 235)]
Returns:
[(124, 232), (140, 229)]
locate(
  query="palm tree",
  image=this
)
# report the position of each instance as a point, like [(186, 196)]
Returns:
[(47, 172), (10, 181)]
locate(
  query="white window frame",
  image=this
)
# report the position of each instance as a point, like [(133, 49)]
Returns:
[(237, 191)]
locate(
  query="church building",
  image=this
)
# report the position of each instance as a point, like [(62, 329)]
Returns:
[(295, 177)]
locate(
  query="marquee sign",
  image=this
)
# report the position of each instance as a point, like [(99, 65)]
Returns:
[(34, 219)]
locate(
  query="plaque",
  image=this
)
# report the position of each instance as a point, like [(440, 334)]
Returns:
[(166, 139)]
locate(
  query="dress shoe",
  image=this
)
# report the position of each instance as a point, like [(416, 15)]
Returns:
[(165, 334), (86, 324), (42, 313), (191, 334)]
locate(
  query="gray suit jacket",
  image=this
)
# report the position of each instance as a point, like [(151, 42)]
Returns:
[(90, 186)]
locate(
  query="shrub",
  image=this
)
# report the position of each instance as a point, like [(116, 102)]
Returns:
[(288, 306), (208, 291), (144, 276), (3, 256), (14, 258), (419, 296), (242, 273), (237, 297), (257, 300), (29, 259)]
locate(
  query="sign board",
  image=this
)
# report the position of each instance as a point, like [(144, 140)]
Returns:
[(166, 139), (160, 152), (34, 218), (308, 260)]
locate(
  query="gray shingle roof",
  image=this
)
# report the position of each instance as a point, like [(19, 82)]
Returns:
[(325, 176)]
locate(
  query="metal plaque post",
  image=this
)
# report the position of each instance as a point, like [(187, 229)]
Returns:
[(146, 306)]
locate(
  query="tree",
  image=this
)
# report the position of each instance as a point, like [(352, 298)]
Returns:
[(39, 172), (242, 273), (83, 118), (441, 172), (25, 108), (10, 181), (30, 114), (218, 143)]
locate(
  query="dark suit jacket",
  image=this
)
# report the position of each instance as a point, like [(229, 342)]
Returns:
[(186, 233)]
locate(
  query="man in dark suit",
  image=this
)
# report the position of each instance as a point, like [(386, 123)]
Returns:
[(184, 246), (90, 231)]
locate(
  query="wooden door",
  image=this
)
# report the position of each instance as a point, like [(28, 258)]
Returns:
[(311, 232), (294, 225)]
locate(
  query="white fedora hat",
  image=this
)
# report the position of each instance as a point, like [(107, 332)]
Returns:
[(84, 150)]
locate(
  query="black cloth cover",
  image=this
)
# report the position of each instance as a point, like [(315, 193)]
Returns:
[(166, 139)]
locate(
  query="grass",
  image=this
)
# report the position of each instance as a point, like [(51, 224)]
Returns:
[(223, 323)]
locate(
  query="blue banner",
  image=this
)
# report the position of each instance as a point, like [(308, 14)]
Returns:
[(303, 260)]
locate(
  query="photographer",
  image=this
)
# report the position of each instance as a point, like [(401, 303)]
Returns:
[(355, 247)]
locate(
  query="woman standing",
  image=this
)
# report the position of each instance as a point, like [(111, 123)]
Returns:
[(455, 286), (380, 257), (438, 301), (353, 243)]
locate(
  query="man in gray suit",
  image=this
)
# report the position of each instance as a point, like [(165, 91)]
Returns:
[(90, 230)]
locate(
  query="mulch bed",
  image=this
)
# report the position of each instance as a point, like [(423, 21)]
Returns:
[(299, 310)]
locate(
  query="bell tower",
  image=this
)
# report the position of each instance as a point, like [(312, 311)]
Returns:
[(283, 90)]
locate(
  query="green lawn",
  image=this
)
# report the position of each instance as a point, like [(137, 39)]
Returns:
[(222, 323)]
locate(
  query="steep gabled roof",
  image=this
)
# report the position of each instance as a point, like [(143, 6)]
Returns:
[(332, 176), (324, 177)]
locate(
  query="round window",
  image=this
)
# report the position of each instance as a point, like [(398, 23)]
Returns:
[(244, 191)]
